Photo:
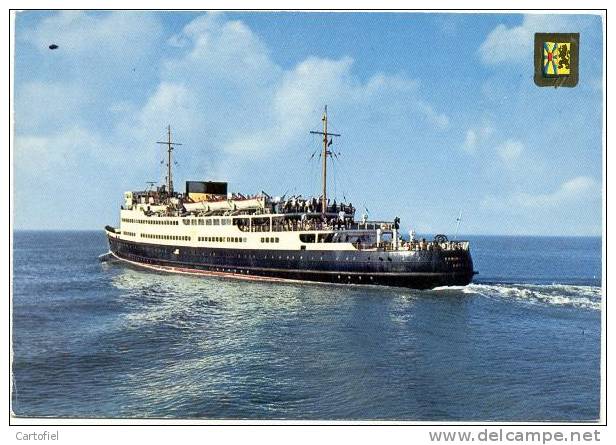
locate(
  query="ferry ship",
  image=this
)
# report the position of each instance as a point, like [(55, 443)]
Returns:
[(206, 230)]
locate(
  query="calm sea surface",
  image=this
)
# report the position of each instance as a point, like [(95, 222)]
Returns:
[(95, 339)]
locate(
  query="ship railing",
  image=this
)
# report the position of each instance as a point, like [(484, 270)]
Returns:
[(371, 225), (389, 246), (296, 225)]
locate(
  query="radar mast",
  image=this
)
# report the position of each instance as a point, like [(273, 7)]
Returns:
[(324, 154), (170, 146)]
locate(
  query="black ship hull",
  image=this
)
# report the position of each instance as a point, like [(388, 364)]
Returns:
[(416, 269)]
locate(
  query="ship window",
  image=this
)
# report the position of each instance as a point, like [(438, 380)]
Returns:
[(245, 239), (186, 222), (277, 239), (200, 221), (216, 221), (307, 237), (224, 222), (208, 222), (326, 238), (262, 240), (267, 240)]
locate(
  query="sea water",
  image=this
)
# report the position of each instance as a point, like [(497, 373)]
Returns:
[(92, 339)]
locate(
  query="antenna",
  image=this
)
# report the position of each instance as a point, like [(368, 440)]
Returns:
[(458, 221), (170, 147), (326, 152)]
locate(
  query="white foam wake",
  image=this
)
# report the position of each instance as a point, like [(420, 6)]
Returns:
[(587, 297)]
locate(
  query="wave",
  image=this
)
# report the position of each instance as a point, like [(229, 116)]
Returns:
[(586, 297)]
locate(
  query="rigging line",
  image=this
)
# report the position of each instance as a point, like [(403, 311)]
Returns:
[(312, 161), (335, 171), (341, 174), (334, 177)]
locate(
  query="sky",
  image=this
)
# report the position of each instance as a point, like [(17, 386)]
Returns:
[(438, 114)]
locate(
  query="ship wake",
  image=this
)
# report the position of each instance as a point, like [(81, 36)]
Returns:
[(584, 297)]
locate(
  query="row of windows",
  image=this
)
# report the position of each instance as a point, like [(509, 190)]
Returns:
[(162, 222), (222, 239), (129, 233), (268, 239), (207, 222), (165, 237)]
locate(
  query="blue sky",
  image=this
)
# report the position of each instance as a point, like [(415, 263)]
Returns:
[(438, 113)]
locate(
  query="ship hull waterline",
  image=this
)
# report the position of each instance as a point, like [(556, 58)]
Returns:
[(417, 270)]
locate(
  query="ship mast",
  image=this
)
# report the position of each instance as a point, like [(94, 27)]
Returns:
[(170, 147), (325, 153)]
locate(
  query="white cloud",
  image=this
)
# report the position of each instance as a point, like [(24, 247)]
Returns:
[(44, 156), (510, 150), (476, 137), (581, 187), (90, 35), (505, 46), (578, 189), (470, 143), (47, 106), (235, 97)]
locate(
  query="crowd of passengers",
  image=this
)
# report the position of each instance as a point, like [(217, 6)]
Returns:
[(303, 223), (297, 204)]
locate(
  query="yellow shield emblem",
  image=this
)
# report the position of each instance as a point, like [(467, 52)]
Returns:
[(556, 59)]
